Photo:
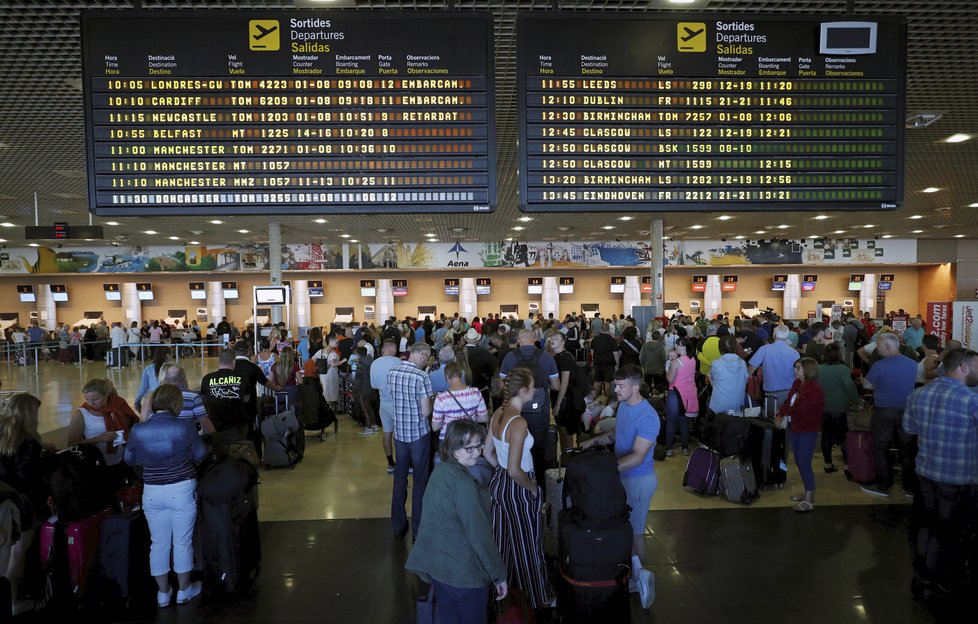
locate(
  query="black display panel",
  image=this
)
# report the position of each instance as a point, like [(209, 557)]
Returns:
[(244, 112), (706, 112)]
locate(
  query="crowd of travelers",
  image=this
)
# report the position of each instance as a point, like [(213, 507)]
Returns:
[(466, 408)]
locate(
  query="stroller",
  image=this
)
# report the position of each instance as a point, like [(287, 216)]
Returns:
[(315, 414)]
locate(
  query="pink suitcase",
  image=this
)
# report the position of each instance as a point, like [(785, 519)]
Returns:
[(862, 466), (80, 545)]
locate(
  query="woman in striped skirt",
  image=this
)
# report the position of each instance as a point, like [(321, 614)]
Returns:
[(516, 498)]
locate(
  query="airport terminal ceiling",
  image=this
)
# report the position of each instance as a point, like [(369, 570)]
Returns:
[(42, 135)]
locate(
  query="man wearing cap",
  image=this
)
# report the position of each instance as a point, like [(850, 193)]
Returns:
[(482, 363)]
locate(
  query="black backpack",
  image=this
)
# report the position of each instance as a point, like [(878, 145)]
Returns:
[(539, 407), (322, 365), (597, 496), (79, 482)]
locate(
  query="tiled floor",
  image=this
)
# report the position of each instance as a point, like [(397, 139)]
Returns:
[(329, 554)]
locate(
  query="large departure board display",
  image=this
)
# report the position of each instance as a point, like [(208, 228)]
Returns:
[(225, 113), (718, 112)]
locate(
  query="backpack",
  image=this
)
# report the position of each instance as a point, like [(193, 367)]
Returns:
[(573, 336), (597, 496), (78, 480), (322, 365), (539, 407)]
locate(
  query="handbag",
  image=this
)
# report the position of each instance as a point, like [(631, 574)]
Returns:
[(751, 410), (426, 608)]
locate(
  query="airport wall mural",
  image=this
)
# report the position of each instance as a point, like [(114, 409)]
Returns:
[(504, 254)]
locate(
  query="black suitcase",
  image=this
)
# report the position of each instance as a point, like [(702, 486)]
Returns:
[(123, 558), (733, 436), (552, 454), (766, 449), (229, 542), (593, 565)]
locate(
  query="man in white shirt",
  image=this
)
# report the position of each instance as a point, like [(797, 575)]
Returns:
[(118, 335)]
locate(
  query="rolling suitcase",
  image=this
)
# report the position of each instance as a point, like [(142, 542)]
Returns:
[(737, 481), (703, 472), (552, 455), (122, 555), (733, 436), (69, 553), (229, 541), (711, 430), (766, 448), (862, 466), (280, 436), (593, 564)]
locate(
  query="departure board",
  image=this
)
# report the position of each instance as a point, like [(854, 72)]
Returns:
[(238, 112), (710, 112)]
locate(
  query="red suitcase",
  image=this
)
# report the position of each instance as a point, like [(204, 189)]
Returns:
[(69, 551), (862, 466)]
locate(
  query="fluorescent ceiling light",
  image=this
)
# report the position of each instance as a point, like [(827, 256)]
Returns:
[(33, 245), (760, 232), (930, 189), (839, 232), (821, 217), (151, 232), (525, 219), (607, 227), (242, 231), (917, 232), (958, 138), (111, 223), (174, 238), (887, 236), (916, 217), (625, 218), (217, 221), (813, 236), (194, 242), (7, 224), (724, 218), (344, 236), (320, 220), (738, 237), (869, 225), (974, 205), (696, 227), (783, 226), (354, 240), (959, 236), (518, 228)]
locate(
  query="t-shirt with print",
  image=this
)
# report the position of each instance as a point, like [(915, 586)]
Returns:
[(224, 392), (470, 405)]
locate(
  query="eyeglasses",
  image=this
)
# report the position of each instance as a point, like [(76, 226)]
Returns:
[(475, 448)]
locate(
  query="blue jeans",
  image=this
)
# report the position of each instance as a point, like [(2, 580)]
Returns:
[(417, 455), (460, 605), (803, 447), (676, 417)]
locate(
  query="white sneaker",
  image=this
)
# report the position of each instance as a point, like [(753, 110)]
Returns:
[(646, 587), (163, 598), (367, 431), (186, 595)]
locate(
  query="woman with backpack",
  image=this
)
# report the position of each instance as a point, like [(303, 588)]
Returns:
[(517, 501)]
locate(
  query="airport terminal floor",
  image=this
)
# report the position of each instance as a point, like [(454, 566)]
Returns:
[(328, 553)]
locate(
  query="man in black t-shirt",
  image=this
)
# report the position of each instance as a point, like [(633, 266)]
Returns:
[(568, 401), (482, 363), (604, 356), (225, 394)]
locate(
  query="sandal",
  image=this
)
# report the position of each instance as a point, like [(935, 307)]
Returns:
[(804, 506)]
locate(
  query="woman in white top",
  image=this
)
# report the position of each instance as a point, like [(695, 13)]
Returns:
[(104, 421), (517, 504), (331, 380)]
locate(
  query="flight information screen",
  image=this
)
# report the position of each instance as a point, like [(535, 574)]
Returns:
[(696, 112), (319, 112)]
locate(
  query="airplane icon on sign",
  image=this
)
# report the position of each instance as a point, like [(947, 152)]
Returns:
[(264, 35), (262, 32), (690, 33)]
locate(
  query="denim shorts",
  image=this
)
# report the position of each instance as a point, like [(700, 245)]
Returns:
[(638, 493)]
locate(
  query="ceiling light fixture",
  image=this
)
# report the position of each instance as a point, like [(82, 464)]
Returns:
[(917, 232), (518, 228), (321, 221), (344, 236), (33, 245), (525, 219), (958, 138), (959, 236), (839, 232), (974, 205), (242, 231), (724, 218), (887, 236), (916, 217), (217, 222), (696, 227), (111, 223), (7, 224), (354, 240), (607, 227), (194, 243), (739, 237), (821, 217), (174, 238), (625, 218), (930, 189), (869, 225), (783, 226), (760, 232), (150, 232)]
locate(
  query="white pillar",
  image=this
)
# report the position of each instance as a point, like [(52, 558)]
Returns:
[(385, 300), (132, 307), (867, 296), (275, 264), (633, 294), (215, 303), (550, 298), (47, 309), (713, 297), (467, 299), (792, 298), (658, 294), (301, 304)]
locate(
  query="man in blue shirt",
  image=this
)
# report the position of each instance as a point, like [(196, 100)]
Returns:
[(891, 379), (636, 428), (944, 416), (778, 360), (913, 336)]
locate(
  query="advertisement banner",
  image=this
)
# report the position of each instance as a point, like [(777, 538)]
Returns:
[(939, 319), (963, 315)]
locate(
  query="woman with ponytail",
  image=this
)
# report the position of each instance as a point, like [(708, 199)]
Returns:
[(516, 498)]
